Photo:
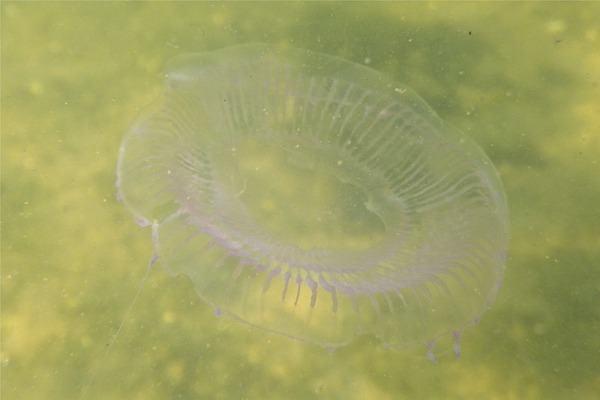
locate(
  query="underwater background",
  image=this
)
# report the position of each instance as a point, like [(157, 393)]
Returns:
[(521, 79)]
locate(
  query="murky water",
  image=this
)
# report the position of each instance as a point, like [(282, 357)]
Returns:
[(520, 79)]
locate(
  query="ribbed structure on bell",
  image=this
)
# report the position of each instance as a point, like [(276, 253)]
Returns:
[(316, 198)]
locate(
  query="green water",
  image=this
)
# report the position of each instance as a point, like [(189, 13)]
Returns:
[(523, 80)]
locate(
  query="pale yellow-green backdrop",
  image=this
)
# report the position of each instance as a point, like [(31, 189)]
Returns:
[(522, 79)]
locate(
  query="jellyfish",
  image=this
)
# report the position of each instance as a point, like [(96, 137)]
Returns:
[(315, 198)]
